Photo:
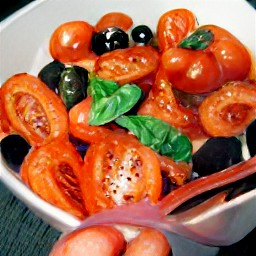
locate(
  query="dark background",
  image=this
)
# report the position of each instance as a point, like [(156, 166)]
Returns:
[(23, 234)]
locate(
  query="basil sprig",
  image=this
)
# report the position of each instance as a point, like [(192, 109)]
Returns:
[(199, 40), (110, 100), (159, 136)]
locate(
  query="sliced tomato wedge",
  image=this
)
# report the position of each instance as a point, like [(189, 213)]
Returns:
[(33, 110), (228, 111), (173, 26), (79, 127), (120, 170), (114, 19), (127, 65), (53, 172)]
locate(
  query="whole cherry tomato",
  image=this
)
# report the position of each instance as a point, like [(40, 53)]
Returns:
[(127, 65), (33, 110), (198, 70), (173, 26), (114, 19), (119, 170), (53, 172), (95, 240), (71, 41)]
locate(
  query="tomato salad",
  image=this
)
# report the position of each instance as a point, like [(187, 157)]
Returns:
[(123, 115)]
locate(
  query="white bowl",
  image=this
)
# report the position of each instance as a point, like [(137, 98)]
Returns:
[(24, 48)]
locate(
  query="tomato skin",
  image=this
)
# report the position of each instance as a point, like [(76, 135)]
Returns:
[(79, 127), (173, 26), (203, 71), (95, 240), (71, 41), (33, 110), (194, 72), (229, 110), (127, 65), (114, 19), (53, 172), (149, 242), (119, 170)]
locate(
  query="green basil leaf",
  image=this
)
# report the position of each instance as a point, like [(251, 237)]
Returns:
[(199, 40), (158, 135), (110, 100)]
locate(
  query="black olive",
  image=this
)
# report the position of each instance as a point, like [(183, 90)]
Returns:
[(80, 145), (73, 85), (217, 154), (109, 39), (251, 138), (142, 34), (14, 149), (50, 74)]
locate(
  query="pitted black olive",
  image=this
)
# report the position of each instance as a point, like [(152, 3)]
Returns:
[(109, 39), (217, 154), (14, 149), (73, 85), (50, 74), (251, 138), (142, 34)]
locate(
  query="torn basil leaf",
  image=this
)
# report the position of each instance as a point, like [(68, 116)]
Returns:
[(199, 40), (110, 100), (158, 135)]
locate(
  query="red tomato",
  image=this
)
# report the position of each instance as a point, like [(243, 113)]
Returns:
[(95, 241), (114, 19), (79, 127), (192, 71), (203, 71), (71, 41), (163, 104), (150, 242), (119, 170), (33, 110), (53, 172), (228, 111), (127, 65), (173, 26)]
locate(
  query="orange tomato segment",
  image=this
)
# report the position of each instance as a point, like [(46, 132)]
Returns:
[(33, 110), (127, 65), (118, 171), (228, 111), (114, 19), (57, 180), (173, 26)]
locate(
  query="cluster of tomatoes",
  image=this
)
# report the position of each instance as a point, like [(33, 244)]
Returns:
[(200, 80)]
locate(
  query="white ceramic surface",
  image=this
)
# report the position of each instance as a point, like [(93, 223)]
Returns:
[(24, 40)]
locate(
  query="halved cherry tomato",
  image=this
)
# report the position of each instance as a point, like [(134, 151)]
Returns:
[(127, 65), (228, 111), (95, 240), (79, 127), (53, 172), (114, 19), (203, 71), (71, 41), (119, 170), (150, 242), (163, 104), (33, 110), (173, 26)]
